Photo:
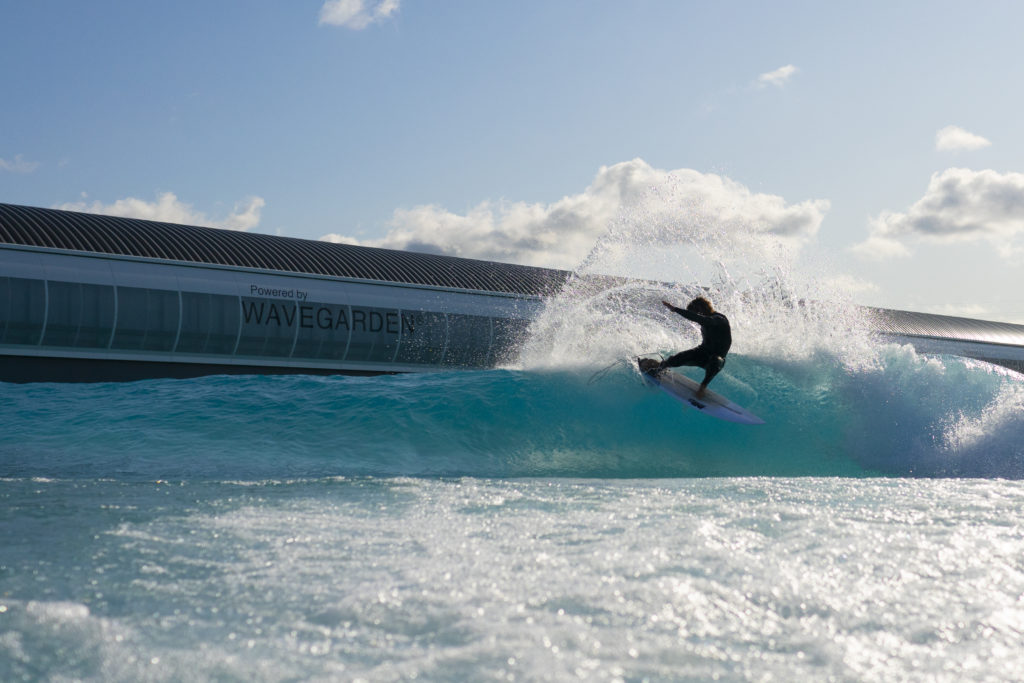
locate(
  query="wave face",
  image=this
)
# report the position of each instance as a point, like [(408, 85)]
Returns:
[(906, 415)]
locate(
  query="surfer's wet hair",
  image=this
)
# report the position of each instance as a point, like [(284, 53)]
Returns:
[(700, 305)]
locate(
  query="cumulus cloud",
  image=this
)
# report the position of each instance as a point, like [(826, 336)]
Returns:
[(777, 78), (357, 14), (169, 209), (959, 205), (955, 138), (18, 165), (561, 234)]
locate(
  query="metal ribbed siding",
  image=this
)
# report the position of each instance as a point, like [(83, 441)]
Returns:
[(906, 323), (55, 229)]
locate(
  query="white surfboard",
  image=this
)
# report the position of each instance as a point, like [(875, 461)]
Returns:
[(684, 389)]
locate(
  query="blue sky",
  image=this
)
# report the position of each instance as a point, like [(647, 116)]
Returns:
[(885, 135)]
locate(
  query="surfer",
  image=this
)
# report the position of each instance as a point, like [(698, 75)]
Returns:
[(716, 338)]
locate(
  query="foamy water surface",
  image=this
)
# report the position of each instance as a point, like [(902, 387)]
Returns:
[(394, 579)]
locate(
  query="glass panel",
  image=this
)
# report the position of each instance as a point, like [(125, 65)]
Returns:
[(22, 306), (323, 331), (469, 338), (132, 306), (5, 305), (374, 334), (423, 335), (268, 327), (62, 313), (209, 323), (147, 319), (79, 315), (225, 316), (97, 316), (195, 321)]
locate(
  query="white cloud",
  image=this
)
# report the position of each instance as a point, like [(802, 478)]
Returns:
[(964, 310), (953, 138), (563, 233), (169, 209), (879, 246), (357, 14), (778, 77), (959, 205), (18, 165), (844, 282)]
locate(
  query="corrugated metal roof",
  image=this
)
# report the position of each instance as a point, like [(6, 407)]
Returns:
[(56, 229), (907, 323)]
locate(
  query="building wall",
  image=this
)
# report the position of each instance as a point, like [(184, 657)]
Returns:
[(75, 316), (143, 312)]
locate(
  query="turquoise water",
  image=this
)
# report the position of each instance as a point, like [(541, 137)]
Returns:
[(906, 416), (517, 524), (554, 520)]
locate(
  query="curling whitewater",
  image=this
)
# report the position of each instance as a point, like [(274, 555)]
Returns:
[(904, 415)]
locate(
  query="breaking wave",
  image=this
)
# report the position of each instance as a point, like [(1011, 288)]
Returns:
[(906, 415)]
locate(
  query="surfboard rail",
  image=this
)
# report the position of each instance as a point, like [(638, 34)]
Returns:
[(684, 390)]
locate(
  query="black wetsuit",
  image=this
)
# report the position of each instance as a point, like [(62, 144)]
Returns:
[(716, 338)]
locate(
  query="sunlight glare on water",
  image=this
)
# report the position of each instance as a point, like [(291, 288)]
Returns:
[(746, 579)]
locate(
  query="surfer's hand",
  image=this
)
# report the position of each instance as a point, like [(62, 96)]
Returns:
[(667, 304)]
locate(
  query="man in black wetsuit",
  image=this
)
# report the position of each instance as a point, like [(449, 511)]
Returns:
[(716, 338)]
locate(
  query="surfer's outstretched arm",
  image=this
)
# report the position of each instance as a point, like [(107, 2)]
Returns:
[(689, 315)]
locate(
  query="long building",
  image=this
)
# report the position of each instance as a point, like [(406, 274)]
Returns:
[(85, 297)]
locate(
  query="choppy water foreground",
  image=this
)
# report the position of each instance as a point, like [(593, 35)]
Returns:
[(517, 525), (391, 579)]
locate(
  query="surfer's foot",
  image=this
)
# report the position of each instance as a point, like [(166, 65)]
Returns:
[(650, 366), (701, 391)]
